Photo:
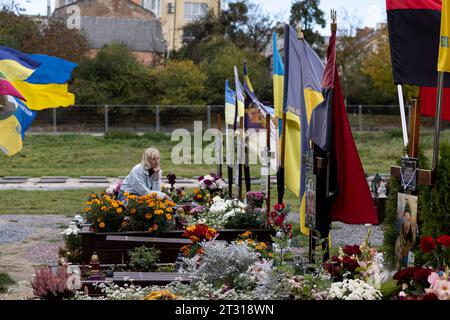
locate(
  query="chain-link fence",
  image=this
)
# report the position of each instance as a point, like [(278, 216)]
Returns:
[(165, 118)]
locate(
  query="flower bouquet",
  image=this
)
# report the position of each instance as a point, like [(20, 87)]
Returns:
[(105, 214), (200, 196), (197, 234), (255, 199), (276, 218), (146, 213), (213, 184), (150, 213)]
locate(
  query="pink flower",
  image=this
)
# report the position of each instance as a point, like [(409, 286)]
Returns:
[(433, 277), (442, 289)]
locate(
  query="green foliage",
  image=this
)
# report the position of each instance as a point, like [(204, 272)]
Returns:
[(308, 15), (17, 31), (378, 67), (219, 58), (170, 267), (243, 23), (179, 82), (5, 281), (434, 204), (156, 137), (428, 219), (390, 221), (120, 135), (53, 38), (114, 76), (389, 288), (144, 258)]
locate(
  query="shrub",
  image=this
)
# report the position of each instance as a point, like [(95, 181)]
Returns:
[(156, 136), (51, 286), (224, 264), (5, 281), (120, 135), (144, 259)]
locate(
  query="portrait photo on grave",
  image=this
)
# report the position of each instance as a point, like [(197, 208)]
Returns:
[(406, 228)]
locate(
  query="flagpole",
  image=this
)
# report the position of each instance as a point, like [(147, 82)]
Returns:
[(219, 146), (246, 149), (280, 173), (403, 117), (437, 121), (240, 155), (230, 160), (268, 164)]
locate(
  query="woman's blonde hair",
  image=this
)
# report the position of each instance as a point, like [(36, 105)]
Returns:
[(149, 155)]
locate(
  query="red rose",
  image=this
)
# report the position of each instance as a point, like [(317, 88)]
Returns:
[(349, 263), (335, 259), (427, 244), (444, 240), (404, 275), (352, 250), (430, 296), (278, 207), (421, 275), (279, 220)]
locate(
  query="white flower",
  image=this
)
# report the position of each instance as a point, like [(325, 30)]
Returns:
[(74, 282), (353, 297), (217, 199)]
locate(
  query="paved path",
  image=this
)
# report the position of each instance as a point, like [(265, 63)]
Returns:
[(68, 183)]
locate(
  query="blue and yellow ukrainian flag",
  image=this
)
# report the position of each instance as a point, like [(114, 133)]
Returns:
[(16, 65), (239, 95), (444, 45), (278, 78), (303, 86), (44, 96), (230, 104), (12, 129)]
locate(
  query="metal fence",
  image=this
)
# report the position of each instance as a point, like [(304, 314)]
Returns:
[(165, 118)]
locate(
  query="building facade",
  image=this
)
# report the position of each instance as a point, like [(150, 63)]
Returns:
[(118, 21), (172, 14)]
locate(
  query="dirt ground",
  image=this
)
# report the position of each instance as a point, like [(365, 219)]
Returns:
[(27, 241)]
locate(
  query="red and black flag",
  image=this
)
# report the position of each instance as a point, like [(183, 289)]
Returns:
[(428, 98), (330, 130), (414, 30)]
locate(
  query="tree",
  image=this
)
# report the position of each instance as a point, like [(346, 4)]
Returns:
[(308, 15), (50, 37), (377, 66), (350, 54), (218, 66), (17, 31), (114, 76), (243, 23), (179, 83), (57, 40)]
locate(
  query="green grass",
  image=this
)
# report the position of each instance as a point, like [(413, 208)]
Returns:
[(116, 153), (80, 155), (66, 202), (71, 202), (5, 282)]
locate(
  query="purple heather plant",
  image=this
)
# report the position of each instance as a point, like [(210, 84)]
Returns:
[(48, 285)]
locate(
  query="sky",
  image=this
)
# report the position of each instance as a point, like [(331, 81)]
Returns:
[(368, 12)]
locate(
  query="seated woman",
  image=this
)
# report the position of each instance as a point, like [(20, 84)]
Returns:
[(145, 177)]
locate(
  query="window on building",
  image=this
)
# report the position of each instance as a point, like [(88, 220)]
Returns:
[(194, 11), (153, 5)]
